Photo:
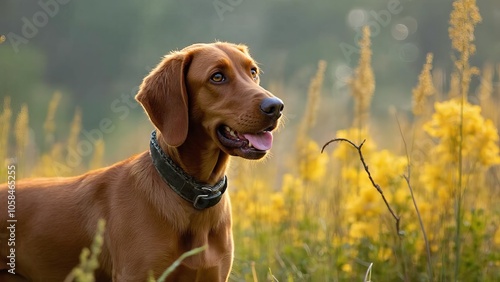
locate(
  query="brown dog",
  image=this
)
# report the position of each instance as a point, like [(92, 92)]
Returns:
[(206, 104)]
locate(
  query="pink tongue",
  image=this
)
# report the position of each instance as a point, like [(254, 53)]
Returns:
[(262, 141)]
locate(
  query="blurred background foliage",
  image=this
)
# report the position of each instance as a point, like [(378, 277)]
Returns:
[(299, 215), (94, 51)]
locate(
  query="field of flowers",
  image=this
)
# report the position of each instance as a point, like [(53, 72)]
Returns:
[(328, 222), (320, 217)]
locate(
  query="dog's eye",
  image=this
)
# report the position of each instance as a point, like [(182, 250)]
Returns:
[(254, 73), (218, 77)]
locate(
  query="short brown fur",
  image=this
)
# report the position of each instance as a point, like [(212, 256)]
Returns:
[(148, 224)]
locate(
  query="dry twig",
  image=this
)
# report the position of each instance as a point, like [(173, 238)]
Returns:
[(365, 166)]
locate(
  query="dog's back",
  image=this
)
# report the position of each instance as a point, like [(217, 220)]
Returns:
[(45, 218)]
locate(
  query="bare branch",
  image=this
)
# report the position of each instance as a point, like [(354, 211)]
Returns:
[(365, 166)]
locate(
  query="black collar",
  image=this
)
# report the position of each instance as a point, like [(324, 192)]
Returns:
[(201, 195)]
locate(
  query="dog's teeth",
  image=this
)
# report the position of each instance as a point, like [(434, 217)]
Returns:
[(250, 144), (231, 132)]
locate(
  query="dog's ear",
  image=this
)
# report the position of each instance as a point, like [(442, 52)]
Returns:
[(163, 95)]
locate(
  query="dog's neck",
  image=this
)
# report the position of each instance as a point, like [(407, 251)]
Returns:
[(204, 161)]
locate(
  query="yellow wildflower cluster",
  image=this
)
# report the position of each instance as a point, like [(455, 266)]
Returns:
[(363, 83), (485, 91), (364, 206), (476, 139), (89, 261), (313, 164), (313, 101), (478, 136), (260, 203), (22, 131), (345, 152), (463, 19), (5, 118), (424, 88), (49, 125), (308, 216)]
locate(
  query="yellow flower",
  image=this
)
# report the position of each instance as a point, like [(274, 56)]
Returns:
[(360, 230), (496, 238), (76, 126), (97, 156), (345, 152), (292, 187), (372, 203), (454, 85), (309, 118), (347, 268), (363, 83), (424, 88), (401, 196), (313, 99), (486, 86), (351, 175), (312, 165), (427, 209), (49, 125), (5, 118), (293, 191), (22, 131), (384, 253), (277, 208), (387, 168), (364, 206), (480, 137), (463, 19)]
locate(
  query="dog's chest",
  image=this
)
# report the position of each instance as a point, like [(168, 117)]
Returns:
[(211, 231), (217, 247)]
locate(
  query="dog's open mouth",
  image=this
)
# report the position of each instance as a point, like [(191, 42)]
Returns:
[(248, 145)]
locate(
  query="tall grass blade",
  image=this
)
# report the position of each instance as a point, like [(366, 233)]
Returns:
[(176, 263)]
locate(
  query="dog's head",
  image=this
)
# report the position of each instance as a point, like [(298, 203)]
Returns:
[(212, 89)]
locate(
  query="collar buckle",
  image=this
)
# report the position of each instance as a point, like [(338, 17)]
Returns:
[(200, 195), (203, 201)]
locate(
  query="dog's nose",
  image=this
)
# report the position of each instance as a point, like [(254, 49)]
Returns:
[(272, 107)]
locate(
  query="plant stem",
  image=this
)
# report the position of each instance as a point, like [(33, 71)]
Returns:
[(176, 263), (365, 166), (419, 216)]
